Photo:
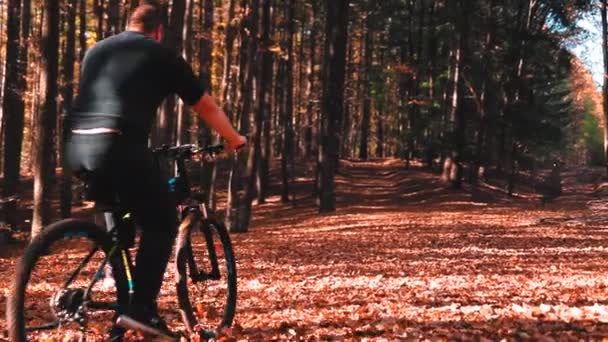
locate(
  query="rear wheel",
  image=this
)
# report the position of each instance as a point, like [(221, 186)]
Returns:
[(56, 283), (206, 277)]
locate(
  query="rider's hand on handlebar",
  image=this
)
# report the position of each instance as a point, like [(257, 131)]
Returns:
[(232, 146)]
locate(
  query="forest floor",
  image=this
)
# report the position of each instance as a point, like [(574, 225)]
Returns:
[(405, 259)]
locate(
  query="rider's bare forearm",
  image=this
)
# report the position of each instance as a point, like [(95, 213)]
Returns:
[(215, 118)]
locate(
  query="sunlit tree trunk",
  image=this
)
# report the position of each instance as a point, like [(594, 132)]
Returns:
[(46, 119)]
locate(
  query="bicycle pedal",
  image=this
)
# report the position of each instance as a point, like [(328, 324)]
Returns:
[(129, 323)]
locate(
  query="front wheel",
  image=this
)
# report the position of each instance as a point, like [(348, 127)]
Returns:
[(206, 276)]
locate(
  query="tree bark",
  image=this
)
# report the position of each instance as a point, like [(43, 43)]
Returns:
[(206, 62), (67, 94), (288, 134), (98, 6), (47, 118), (367, 100), (453, 167), (264, 100), (113, 25), (604, 11), (333, 94), (82, 34), (237, 218), (166, 122), (309, 130), (14, 91)]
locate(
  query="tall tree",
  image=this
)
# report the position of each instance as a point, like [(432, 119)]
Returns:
[(46, 119), (206, 64), (69, 57), (334, 64), (264, 104), (604, 11), (237, 216), (287, 152), (82, 30), (367, 96), (18, 31), (454, 162)]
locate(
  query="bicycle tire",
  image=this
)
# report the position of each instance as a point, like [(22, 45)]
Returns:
[(37, 249), (183, 272)]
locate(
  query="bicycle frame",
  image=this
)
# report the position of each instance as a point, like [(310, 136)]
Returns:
[(193, 215)]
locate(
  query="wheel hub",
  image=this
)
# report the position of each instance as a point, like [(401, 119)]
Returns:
[(67, 303)]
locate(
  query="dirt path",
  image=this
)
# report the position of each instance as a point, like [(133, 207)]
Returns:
[(404, 259)]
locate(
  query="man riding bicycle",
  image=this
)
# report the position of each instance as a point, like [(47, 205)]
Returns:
[(123, 80)]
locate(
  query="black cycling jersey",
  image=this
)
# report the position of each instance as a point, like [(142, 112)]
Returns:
[(124, 79)]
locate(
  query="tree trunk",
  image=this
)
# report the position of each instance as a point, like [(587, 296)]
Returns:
[(605, 86), (367, 96), (166, 122), (14, 91), (264, 75), (206, 62), (182, 110), (288, 135), (453, 166), (380, 135), (308, 134), (47, 118), (237, 218), (82, 34), (67, 94), (98, 6), (333, 93), (264, 101), (113, 26)]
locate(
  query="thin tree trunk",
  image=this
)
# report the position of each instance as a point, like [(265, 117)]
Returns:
[(333, 94), (367, 100), (309, 133), (98, 6), (265, 101), (113, 26), (82, 34), (67, 94), (182, 111), (165, 130), (206, 62), (47, 118), (288, 135), (14, 92), (237, 218), (604, 11)]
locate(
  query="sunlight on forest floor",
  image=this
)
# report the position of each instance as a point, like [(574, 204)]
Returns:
[(405, 259)]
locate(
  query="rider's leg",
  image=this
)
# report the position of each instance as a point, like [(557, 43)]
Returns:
[(144, 191)]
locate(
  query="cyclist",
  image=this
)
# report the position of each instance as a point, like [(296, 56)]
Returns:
[(123, 80)]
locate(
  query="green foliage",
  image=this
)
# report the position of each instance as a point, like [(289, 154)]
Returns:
[(592, 135)]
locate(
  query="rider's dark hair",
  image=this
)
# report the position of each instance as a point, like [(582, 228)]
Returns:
[(146, 16)]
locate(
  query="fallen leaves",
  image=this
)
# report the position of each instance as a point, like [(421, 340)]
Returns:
[(406, 260)]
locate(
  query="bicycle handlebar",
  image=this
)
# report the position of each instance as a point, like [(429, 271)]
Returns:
[(188, 150)]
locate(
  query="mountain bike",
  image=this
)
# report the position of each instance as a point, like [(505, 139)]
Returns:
[(62, 286)]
